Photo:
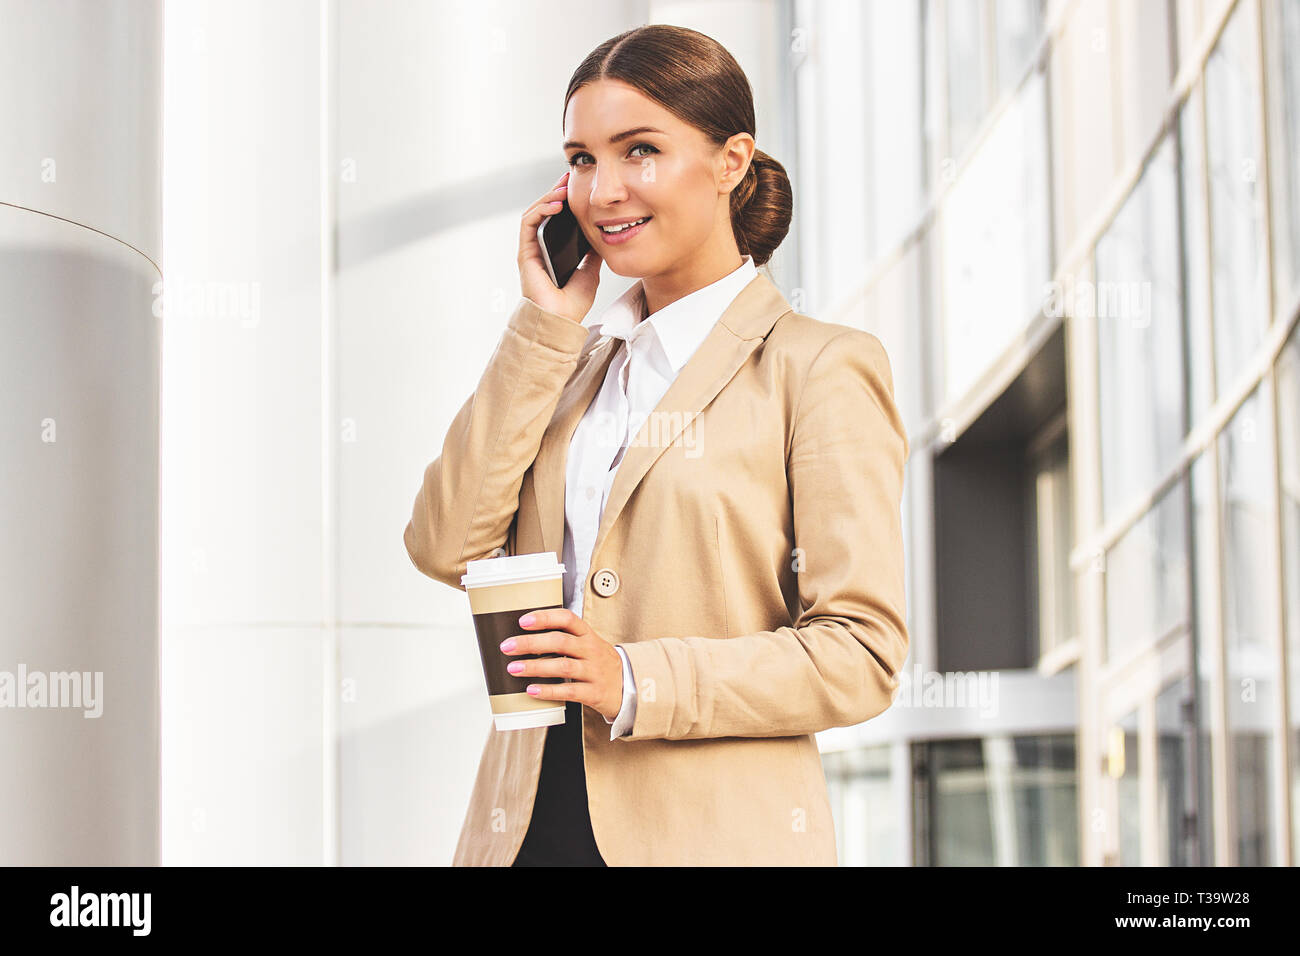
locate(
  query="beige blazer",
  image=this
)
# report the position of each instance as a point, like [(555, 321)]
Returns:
[(749, 561)]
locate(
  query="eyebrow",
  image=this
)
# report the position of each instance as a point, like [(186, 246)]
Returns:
[(636, 131)]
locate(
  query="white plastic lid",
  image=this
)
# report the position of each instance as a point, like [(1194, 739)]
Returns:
[(513, 569)]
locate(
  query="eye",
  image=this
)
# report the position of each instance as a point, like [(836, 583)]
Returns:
[(573, 160)]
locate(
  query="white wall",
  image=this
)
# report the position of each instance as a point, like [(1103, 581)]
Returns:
[(247, 608)]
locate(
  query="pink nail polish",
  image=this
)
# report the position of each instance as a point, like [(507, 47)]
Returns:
[(508, 645), (515, 668)]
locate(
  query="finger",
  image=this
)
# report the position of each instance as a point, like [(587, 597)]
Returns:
[(548, 642), (548, 203), (557, 618), (573, 691), (555, 197), (535, 214), (529, 247), (569, 668)]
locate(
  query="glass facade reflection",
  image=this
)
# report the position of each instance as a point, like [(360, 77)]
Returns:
[(1288, 430), (1232, 120), (866, 810), (1194, 218), (1100, 283), (1146, 579), (1249, 625), (967, 67), (1124, 767), (996, 239), (1139, 337), (1174, 775), (1019, 26), (1000, 801), (1205, 587), (1283, 22)]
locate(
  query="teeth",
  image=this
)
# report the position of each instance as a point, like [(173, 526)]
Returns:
[(626, 225)]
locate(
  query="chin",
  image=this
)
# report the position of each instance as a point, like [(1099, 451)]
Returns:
[(629, 267)]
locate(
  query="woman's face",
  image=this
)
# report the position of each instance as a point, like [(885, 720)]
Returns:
[(657, 166)]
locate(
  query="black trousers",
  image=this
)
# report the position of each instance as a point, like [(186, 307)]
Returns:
[(559, 833)]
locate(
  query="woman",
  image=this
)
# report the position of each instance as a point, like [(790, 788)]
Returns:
[(722, 475)]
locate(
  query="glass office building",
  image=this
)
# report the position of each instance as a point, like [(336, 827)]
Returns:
[(1080, 244)]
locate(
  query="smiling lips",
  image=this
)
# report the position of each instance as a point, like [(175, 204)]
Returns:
[(622, 231)]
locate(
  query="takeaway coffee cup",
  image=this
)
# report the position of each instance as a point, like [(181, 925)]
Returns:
[(501, 591)]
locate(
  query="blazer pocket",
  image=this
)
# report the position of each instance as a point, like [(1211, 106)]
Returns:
[(719, 553)]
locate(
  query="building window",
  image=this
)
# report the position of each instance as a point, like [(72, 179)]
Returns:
[(1205, 571), (996, 259), (967, 73), (865, 811), (1232, 108), (1173, 775), (989, 47), (998, 801), (1196, 260), (1146, 579), (1283, 35), (1019, 26), (1139, 337), (1245, 480), (857, 93), (1288, 430), (1123, 764)]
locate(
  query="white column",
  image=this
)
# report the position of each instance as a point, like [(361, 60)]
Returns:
[(80, 238)]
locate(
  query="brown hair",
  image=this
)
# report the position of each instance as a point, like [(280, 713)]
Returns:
[(694, 77)]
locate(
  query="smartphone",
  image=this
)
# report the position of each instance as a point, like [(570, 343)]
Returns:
[(563, 245)]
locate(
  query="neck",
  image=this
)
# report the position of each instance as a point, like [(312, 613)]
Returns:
[(687, 276)]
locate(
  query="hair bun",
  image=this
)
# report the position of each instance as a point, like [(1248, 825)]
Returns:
[(761, 207)]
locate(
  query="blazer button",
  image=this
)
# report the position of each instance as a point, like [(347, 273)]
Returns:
[(605, 581)]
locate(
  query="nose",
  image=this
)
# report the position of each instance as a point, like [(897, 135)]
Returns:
[(606, 189)]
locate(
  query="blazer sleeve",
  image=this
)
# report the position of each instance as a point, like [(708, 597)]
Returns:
[(466, 505), (838, 665)]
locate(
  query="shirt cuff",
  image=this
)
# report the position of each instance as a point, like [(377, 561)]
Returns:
[(626, 717)]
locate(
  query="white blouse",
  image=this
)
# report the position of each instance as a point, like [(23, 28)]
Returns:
[(654, 350)]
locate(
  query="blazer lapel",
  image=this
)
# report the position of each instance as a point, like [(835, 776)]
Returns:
[(740, 330), (550, 465)]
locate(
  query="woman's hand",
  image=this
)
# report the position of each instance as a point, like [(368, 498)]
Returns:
[(594, 668), (575, 299)]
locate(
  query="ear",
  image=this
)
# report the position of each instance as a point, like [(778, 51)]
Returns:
[(733, 161)]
